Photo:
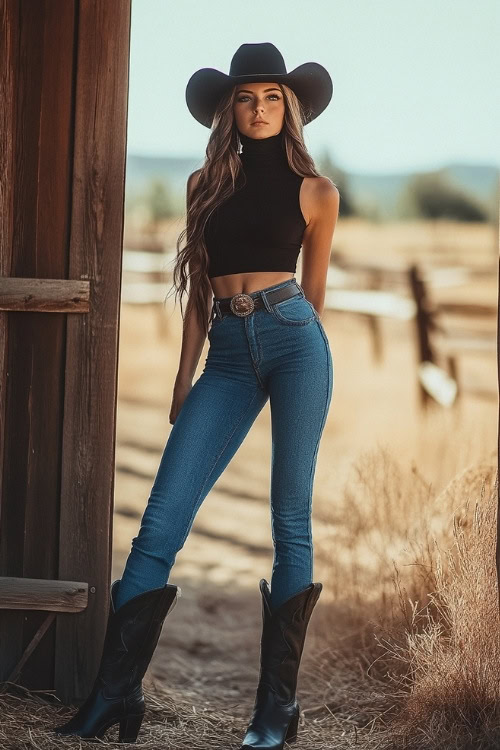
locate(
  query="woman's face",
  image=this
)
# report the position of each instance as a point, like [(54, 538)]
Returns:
[(259, 101)]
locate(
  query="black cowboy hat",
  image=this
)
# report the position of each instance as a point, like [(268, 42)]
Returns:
[(263, 61)]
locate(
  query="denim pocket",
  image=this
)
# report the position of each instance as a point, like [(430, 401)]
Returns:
[(294, 311)]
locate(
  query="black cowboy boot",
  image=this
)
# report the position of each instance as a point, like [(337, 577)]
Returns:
[(276, 711), (132, 634)]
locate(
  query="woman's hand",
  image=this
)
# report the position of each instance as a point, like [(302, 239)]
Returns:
[(181, 390)]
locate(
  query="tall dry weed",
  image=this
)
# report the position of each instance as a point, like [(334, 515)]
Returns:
[(451, 654), (412, 635)]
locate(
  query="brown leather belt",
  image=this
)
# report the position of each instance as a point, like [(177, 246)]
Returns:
[(244, 304)]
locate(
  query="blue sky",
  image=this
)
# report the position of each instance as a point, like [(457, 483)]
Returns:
[(415, 83)]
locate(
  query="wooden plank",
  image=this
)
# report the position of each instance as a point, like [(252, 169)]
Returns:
[(43, 594), (436, 276), (44, 295), (389, 269), (39, 53), (88, 446), (446, 276), (370, 302), (8, 31), (10, 628), (466, 308), (457, 343)]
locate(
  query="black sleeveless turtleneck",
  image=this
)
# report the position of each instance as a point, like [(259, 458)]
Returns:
[(260, 227)]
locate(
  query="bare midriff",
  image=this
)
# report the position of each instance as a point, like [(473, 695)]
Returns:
[(252, 281)]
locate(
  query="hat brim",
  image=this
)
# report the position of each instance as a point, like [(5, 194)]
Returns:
[(310, 81)]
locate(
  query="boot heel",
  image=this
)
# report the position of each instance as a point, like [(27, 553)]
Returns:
[(291, 733), (129, 728)]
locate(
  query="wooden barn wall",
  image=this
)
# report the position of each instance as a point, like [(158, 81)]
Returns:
[(64, 80)]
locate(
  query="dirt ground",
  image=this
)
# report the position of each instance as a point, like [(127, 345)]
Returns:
[(209, 648)]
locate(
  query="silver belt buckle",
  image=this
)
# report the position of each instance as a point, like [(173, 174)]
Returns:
[(242, 304)]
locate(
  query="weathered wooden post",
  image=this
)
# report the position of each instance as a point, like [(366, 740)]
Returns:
[(423, 317), (63, 117), (374, 323)]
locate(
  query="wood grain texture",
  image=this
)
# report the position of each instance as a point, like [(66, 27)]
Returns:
[(40, 55), (42, 594), (44, 295), (7, 85), (87, 481)]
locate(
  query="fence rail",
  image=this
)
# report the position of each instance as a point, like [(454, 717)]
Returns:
[(372, 291)]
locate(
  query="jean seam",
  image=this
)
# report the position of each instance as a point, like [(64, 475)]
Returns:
[(250, 321), (195, 507), (313, 462), (259, 350)]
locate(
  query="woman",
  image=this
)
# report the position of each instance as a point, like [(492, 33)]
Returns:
[(248, 216)]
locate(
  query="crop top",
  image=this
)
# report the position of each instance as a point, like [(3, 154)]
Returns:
[(260, 226)]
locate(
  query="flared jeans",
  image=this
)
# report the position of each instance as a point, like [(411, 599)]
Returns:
[(279, 352)]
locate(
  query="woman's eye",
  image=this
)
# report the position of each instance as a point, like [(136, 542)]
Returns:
[(241, 98)]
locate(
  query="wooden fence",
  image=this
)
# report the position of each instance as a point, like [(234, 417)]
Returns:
[(378, 291)]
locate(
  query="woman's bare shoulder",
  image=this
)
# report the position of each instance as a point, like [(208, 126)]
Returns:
[(320, 186), (317, 193)]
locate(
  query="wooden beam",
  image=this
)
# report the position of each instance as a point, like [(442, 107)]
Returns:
[(370, 302), (7, 89), (44, 295), (43, 594), (466, 308), (469, 341)]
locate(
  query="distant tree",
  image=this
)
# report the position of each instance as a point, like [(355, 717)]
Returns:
[(341, 180), (159, 202), (431, 195)]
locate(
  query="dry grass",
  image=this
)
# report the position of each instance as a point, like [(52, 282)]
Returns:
[(173, 722), (419, 668)]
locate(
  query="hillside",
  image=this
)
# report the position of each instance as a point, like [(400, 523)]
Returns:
[(377, 192)]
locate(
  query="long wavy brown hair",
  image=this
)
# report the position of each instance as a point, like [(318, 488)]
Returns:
[(216, 183)]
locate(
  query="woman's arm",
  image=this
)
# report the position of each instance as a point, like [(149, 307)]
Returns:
[(193, 340), (321, 205), (193, 337)]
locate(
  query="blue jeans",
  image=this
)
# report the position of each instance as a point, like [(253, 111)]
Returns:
[(280, 352)]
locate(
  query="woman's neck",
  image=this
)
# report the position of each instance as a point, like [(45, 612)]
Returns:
[(270, 150)]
